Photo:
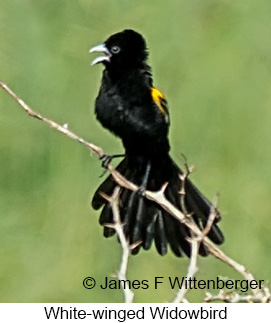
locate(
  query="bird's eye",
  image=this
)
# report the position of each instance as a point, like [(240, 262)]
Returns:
[(115, 49)]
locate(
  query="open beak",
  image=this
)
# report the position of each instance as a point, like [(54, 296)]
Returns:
[(100, 49)]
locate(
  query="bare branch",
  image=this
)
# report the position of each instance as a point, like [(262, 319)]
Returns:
[(191, 272), (118, 227)]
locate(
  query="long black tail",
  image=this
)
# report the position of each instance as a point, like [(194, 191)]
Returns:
[(145, 221)]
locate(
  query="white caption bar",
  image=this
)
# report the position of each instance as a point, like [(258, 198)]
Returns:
[(136, 312)]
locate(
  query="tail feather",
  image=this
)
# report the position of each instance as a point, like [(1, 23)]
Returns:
[(172, 237), (160, 237), (143, 220), (137, 229), (149, 225), (148, 235), (128, 213), (106, 217)]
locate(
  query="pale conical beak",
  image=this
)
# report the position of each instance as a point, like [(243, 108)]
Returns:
[(101, 59)]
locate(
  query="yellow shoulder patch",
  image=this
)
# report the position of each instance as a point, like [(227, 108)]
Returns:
[(159, 99)]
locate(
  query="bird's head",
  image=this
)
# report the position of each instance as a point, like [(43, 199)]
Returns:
[(123, 50)]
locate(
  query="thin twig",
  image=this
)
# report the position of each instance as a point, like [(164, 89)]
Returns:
[(211, 218), (234, 297), (191, 271), (193, 240), (126, 250)]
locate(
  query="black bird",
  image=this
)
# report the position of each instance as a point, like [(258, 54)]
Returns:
[(133, 109)]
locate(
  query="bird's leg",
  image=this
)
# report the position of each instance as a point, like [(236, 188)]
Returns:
[(142, 188)]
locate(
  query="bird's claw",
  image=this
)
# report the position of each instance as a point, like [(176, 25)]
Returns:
[(106, 159)]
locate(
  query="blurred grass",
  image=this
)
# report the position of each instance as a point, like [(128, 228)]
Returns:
[(211, 59)]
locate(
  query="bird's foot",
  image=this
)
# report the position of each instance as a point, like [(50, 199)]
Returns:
[(106, 159)]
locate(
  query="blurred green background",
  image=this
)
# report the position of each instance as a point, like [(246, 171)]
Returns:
[(210, 58)]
